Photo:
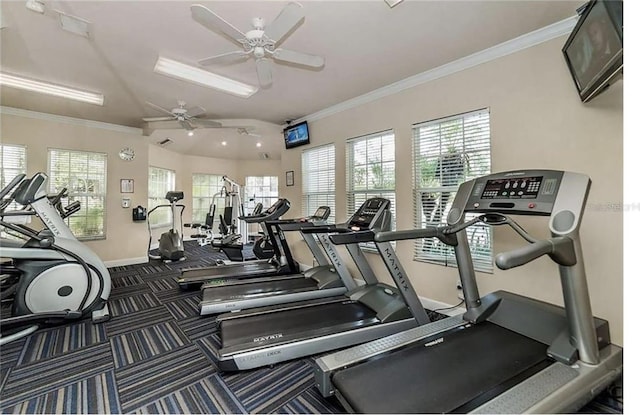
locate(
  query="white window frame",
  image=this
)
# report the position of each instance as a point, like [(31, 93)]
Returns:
[(446, 153), (319, 179), (371, 172), (89, 172), (157, 191)]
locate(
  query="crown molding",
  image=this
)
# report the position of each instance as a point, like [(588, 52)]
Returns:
[(69, 120), (509, 47)]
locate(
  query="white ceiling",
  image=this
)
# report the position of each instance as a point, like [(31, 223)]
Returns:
[(366, 45)]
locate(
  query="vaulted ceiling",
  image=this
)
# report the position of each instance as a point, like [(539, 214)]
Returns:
[(366, 45)]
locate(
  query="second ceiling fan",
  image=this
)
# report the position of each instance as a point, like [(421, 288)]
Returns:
[(261, 43)]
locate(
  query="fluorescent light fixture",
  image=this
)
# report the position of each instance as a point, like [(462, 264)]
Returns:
[(50, 89), (393, 3), (74, 24), (189, 73)]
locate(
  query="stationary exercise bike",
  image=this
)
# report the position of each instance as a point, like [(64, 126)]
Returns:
[(60, 278), (171, 246)]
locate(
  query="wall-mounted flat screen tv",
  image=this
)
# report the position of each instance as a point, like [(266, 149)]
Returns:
[(593, 51), (296, 135)]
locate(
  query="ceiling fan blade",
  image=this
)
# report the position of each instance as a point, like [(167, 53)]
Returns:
[(288, 18), (300, 58), (215, 23), (263, 68), (159, 108), (195, 111), (226, 58), (153, 119), (185, 124), (205, 122)]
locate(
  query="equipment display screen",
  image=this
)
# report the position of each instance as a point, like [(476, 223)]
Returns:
[(512, 188)]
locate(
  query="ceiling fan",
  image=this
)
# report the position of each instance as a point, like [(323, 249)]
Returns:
[(262, 42), (186, 117)]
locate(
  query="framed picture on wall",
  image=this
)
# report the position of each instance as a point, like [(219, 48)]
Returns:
[(126, 185), (289, 178)]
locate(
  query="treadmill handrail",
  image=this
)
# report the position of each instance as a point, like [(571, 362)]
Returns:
[(352, 237), (560, 249), (324, 229), (441, 232)]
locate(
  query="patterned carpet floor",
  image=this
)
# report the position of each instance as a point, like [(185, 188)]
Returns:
[(155, 356)]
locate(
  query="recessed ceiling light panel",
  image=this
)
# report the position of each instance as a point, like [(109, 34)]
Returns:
[(74, 24)]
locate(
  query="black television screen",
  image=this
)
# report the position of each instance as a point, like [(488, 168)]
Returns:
[(593, 50), (296, 135)]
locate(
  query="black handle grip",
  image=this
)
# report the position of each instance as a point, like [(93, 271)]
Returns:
[(352, 237)]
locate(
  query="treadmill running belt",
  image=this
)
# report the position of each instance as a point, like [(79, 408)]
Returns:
[(441, 377), (300, 323), (257, 289)]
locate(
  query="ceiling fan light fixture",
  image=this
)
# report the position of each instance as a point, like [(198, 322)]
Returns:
[(189, 73), (50, 89)]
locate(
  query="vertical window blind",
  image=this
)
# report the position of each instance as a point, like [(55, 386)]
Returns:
[(448, 152), (84, 174), (371, 171), (319, 179), (161, 181)]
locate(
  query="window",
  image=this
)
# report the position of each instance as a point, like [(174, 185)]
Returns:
[(260, 189), (161, 181), (84, 174), (319, 179), (13, 161), (371, 171), (448, 152), (207, 190)]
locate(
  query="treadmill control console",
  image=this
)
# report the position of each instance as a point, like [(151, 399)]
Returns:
[(531, 192), (368, 213)]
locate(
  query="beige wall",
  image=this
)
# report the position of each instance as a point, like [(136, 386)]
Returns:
[(537, 121), (124, 238)]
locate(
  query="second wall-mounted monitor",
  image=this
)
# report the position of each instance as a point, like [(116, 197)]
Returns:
[(296, 135)]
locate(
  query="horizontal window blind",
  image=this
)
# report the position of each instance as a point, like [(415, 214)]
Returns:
[(448, 152), (84, 174), (319, 179), (259, 189), (13, 161), (161, 181), (206, 190), (371, 171)]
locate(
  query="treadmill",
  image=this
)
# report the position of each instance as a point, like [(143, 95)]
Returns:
[(330, 278), (268, 335), (512, 354), (193, 278)]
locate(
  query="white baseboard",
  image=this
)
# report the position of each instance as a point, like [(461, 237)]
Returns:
[(126, 261)]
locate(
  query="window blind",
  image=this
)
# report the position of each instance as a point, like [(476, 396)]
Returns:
[(13, 161), (259, 189), (448, 152), (161, 181), (318, 179), (206, 190), (84, 174), (371, 171)]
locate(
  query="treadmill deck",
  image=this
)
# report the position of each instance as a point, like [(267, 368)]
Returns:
[(442, 375)]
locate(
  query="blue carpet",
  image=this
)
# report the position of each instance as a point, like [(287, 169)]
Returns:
[(155, 355)]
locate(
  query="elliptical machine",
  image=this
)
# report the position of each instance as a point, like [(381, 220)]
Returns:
[(171, 245), (60, 278)]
